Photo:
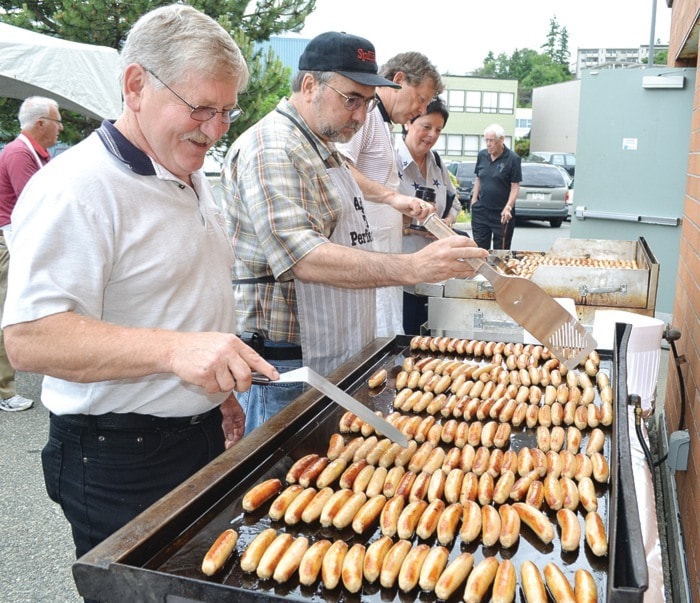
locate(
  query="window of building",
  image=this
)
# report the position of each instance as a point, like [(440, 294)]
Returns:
[(440, 145), (506, 102), (473, 103), (454, 144), (490, 102), (471, 145), (456, 100)]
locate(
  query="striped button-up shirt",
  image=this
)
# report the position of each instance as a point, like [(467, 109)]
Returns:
[(280, 204)]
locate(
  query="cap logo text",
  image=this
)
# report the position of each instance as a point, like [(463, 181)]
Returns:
[(366, 56)]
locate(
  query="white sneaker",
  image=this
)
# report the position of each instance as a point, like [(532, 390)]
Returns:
[(15, 403)]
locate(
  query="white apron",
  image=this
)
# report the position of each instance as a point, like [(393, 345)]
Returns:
[(387, 226), (336, 323)]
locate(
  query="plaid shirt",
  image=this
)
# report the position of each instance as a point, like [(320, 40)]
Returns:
[(280, 204)]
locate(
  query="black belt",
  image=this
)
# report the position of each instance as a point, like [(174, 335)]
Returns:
[(129, 421), (271, 352)]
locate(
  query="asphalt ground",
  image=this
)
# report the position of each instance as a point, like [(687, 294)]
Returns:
[(36, 548)]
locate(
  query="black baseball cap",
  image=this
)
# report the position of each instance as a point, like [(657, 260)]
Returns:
[(348, 55)]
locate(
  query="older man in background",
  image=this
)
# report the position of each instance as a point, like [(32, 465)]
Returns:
[(498, 176), (40, 124)]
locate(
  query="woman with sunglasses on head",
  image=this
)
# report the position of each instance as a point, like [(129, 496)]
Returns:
[(419, 167)]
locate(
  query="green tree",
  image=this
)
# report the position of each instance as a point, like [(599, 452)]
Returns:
[(106, 23), (531, 68), (660, 58), (557, 45), (552, 43)]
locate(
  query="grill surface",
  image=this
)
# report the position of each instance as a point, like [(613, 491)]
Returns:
[(158, 556)]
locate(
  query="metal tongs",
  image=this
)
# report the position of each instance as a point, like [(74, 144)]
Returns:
[(312, 378)]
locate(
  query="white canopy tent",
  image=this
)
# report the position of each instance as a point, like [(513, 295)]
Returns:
[(80, 77)]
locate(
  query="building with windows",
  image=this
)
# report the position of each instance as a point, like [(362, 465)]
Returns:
[(475, 103), (523, 122), (621, 57)]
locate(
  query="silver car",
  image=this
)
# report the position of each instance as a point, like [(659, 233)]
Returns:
[(544, 194)]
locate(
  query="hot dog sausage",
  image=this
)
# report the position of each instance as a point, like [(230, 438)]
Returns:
[(454, 576), (480, 579), (351, 571), (289, 563), (411, 567), (531, 581), (260, 494), (272, 555), (374, 557), (219, 552), (332, 564), (310, 564), (254, 551)]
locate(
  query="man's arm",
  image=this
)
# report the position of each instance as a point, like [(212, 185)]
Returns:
[(350, 268), (374, 191), (510, 204), (75, 348), (475, 192)]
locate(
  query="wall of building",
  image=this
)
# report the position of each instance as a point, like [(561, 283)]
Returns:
[(555, 112), (686, 314)]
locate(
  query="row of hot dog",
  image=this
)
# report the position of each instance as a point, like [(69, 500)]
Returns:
[(281, 557), (405, 515)]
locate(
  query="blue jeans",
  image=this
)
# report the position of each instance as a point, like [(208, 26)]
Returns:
[(261, 402), (104, 478)]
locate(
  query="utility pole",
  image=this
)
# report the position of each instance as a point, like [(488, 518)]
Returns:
[(652, 33)]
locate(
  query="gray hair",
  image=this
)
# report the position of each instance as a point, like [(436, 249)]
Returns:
[(175, 40), (495, 129), (321, 77), (416, 67), (34, 108)]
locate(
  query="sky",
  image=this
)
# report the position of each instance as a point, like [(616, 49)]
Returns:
[(456, 35)]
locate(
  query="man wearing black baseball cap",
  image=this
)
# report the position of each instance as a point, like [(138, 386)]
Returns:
[(372, 156), (305, 268), (348, 55)]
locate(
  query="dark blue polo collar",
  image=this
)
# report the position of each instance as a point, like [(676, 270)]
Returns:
[(124, 150)]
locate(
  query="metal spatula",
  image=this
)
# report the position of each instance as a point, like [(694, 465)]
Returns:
[(312, 378), (531, 307)]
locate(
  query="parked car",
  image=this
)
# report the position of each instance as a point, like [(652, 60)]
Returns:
[(544, 193), (464, 172), (566, 161)]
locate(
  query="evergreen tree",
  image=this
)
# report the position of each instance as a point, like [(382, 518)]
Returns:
[(550, 46), (106, 23)]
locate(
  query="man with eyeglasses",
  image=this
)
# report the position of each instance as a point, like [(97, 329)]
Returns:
[(40, 124), (372, 155), (120, 284), (306, 265)]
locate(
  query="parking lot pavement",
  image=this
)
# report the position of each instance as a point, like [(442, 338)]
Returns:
[(36, 548)]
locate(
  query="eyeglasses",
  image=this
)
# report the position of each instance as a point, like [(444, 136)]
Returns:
[(58, 121), (353, 103), (228, 116)]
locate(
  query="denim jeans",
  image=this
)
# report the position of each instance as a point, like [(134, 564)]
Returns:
[(261, 402)]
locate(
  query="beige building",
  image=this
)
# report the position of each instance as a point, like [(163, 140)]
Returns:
[(475, 103)]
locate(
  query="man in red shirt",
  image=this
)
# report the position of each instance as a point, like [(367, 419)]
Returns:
[(40, 124)]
